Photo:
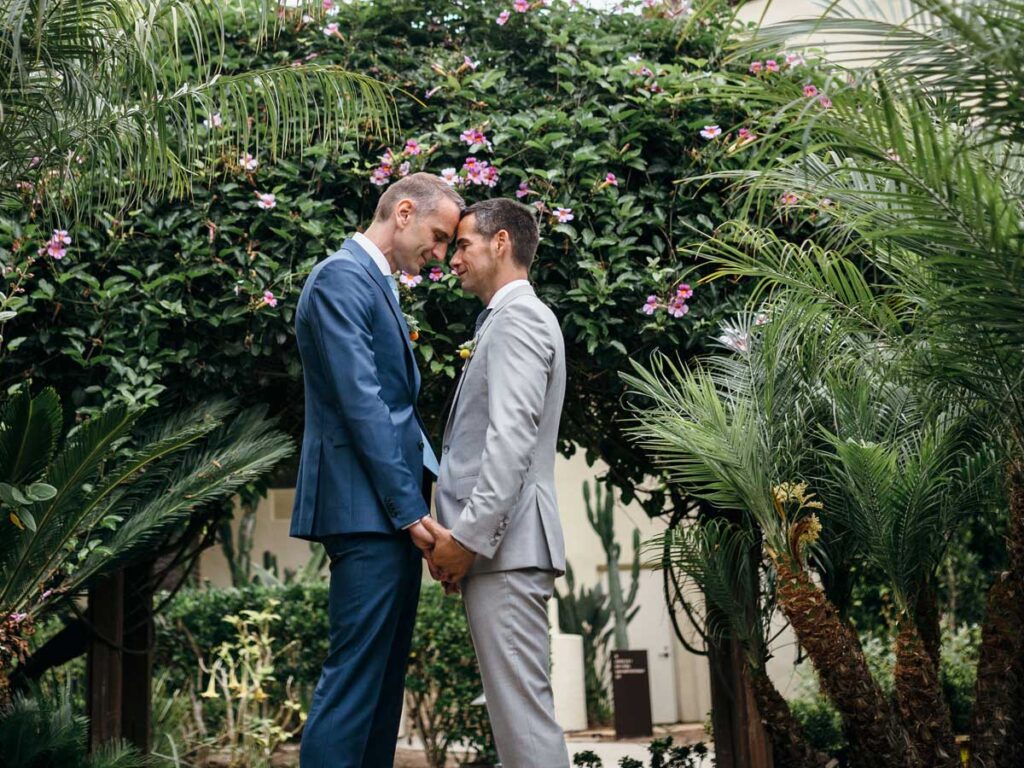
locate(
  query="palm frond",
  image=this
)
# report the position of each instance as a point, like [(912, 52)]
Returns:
[(30, 428)]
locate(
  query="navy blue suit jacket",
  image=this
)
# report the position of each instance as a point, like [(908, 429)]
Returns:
[(361, 469)]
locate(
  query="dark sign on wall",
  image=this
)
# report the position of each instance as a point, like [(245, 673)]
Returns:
[(631, 690)]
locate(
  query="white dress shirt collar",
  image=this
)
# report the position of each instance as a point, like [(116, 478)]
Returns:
[(375, 253), (506, 289)]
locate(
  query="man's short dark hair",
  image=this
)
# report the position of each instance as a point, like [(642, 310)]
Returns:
[(424, 189), (518, 220)]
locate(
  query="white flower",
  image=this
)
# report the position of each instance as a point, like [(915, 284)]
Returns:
[(248, 162), (266, 200), (451, 176)]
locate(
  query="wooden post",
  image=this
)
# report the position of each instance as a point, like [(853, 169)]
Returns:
[(104, 669), (120, 658), (137, 660)]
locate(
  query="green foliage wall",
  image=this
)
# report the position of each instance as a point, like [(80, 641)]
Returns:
[(169, 300)]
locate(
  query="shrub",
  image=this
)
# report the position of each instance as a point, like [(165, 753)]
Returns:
[(443, 679)]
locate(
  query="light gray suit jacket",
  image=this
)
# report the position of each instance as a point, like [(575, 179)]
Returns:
[(496, 489)]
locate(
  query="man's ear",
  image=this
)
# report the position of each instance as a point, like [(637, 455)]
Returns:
[(503, 243), (404, 212)]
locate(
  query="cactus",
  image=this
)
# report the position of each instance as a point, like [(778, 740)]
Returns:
[(602, 520)]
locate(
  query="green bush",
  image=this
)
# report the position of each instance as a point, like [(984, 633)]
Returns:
[(821, 723), (443, 679), (168, 300), (194, 621)]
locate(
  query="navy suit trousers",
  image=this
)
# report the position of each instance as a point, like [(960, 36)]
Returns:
[(357, 705)]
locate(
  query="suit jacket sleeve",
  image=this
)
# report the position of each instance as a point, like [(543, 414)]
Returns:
[(519, 359), (341, 320)]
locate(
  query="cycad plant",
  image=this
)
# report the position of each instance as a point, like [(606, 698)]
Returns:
[(80, 505), (900, 177)]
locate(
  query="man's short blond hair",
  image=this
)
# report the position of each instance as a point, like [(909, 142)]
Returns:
[(424, 189)]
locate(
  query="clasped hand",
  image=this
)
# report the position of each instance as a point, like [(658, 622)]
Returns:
[(447, 560)]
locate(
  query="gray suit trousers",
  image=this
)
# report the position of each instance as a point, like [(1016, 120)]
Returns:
[(508, 621)]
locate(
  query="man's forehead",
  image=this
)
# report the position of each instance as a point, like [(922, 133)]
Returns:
[(467, 225)]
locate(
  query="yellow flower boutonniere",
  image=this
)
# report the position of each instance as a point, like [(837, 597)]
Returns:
[(467, 348)]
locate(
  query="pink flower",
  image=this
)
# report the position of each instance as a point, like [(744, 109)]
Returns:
[(651, 305), (266, 200), (678, 307), (611, 179), (771, 65), (436, 273), (269, 298), (468, 62), (521, 6), (17, 618), (810, 90), (409, 281), (539, 205), (502, 18), (825, 101), (412, 147), (643, 72), (761, 318), (794, 60), (755, 67), (475, 138), (826, 203), (248, 162), (563, 215), (789, 198), (54, 247), (523, 189), (214, 121), (330, 7), (745, 135), (684, 291), (403, 169), (331, 30), (451, 176), (490, 176), (710, 131)]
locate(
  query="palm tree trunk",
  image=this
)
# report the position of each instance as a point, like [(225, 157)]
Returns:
[(838, 658), (997, 730), (919, 699), (789, 744)]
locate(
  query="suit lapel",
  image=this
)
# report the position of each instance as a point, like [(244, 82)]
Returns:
[(382, 282), (525, 290)]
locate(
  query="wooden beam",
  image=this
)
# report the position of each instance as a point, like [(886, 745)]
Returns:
[(104, 669), (137, 660)]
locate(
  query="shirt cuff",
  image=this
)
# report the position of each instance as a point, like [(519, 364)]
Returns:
[(410, 525)]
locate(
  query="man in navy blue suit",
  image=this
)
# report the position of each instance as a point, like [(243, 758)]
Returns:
[(364, 454)]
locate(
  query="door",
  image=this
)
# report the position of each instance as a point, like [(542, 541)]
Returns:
[(651, 630)]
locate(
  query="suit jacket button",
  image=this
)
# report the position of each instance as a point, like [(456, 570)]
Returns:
[(420, 445), (446, 449)]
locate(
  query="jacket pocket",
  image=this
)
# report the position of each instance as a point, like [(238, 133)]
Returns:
[(464, 487)]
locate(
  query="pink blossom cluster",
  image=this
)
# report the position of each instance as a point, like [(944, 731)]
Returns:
[(473, 171), (436, 273), (475, 138), (269, 299), (519, 6), (56, 246), (770, 65), (676, 306), (392, 164)]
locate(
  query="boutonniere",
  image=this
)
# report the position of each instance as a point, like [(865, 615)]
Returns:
[(414, 326), (467, 348)]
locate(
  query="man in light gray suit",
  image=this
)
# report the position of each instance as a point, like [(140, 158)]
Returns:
[(500, 539)]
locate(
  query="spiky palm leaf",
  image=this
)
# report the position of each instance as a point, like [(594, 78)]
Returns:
[(114, 498), (104, 99)]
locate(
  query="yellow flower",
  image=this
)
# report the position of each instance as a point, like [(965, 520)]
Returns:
[(463, 353), (211, 689)]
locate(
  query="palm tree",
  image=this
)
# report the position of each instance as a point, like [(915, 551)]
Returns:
[(915, 177), (108, 100), (106, 494)]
